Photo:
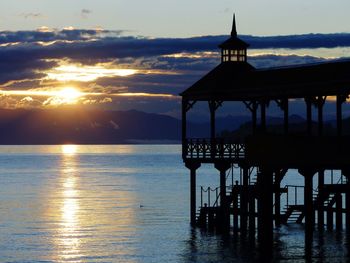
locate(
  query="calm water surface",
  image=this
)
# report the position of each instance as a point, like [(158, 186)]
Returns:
[(123, 203)]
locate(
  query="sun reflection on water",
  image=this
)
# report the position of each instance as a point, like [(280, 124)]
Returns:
[(69, 241), (92, 213), (69, 149)]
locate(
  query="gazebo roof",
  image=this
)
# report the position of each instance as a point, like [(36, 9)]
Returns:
[(241, 81)]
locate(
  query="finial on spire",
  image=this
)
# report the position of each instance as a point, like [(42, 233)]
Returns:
[(234, 30)]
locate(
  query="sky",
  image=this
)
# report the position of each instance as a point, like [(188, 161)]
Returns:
[(120, 55), (179, 18)]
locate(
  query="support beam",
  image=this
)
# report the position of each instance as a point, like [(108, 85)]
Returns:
[(263, 116), (252, 215), (277, 186), (329, 218), (279, 174), (213, 106), (265, 207), (283, 104), (320, 210), (320, 103), (309, 209), (340, 100), (212, 109), (252, 106), (186, 106), (224, 215), (346, 173), (286, 115), (320, 118), (338, 211), (308, 204), (235, 212), (184, 128), (193, 166), (254, 117), (347, 206), (244, 201), (309, 115)]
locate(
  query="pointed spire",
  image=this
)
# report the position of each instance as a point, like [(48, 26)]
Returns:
[(234, 30)]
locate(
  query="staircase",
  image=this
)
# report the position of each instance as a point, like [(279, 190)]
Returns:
[(207, 214), (294, 213)]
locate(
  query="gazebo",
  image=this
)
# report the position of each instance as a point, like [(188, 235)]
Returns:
[(241, 205)]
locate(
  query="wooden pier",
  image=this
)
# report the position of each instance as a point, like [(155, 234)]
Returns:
[(253, 204)]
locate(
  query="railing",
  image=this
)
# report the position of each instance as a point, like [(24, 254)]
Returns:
[(208, 191), (293, 189), (212, 149)]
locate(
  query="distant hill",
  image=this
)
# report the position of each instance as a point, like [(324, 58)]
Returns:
[(81, 126), (74, 125), (297, 125)]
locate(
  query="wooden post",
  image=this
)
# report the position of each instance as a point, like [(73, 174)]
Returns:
[(244, 200), (252, 214), (308, 204), (263, 116), (279, 174), (265, 207), (347, 206), (277, 187), (235, 212), (320, 103), (338, 211), (212, 108), (254, 118), (184, 128), (286, 115), (224, 216), (193, 166), (320, 210), (252, 106), (346, 173), (329, 218), (309, 115), (309, 209), (340, 100)]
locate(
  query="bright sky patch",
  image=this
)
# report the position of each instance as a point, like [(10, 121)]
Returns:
[(75, 72)]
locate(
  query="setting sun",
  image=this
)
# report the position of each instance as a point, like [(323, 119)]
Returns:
[(69, 94)]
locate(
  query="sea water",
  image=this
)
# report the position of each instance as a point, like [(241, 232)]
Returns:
[(122, 203)]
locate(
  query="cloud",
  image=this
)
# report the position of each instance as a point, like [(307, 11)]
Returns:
[(300, 41), (85, 13), (163, 65), (266, 61), (31, 15), (47, 35)]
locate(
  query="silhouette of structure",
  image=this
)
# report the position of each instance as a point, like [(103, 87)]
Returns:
[(254, 202)]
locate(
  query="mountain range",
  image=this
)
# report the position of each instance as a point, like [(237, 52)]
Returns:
[(81, 126)]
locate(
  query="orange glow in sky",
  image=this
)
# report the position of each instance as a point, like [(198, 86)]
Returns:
[(64, 93), (72, 94)]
